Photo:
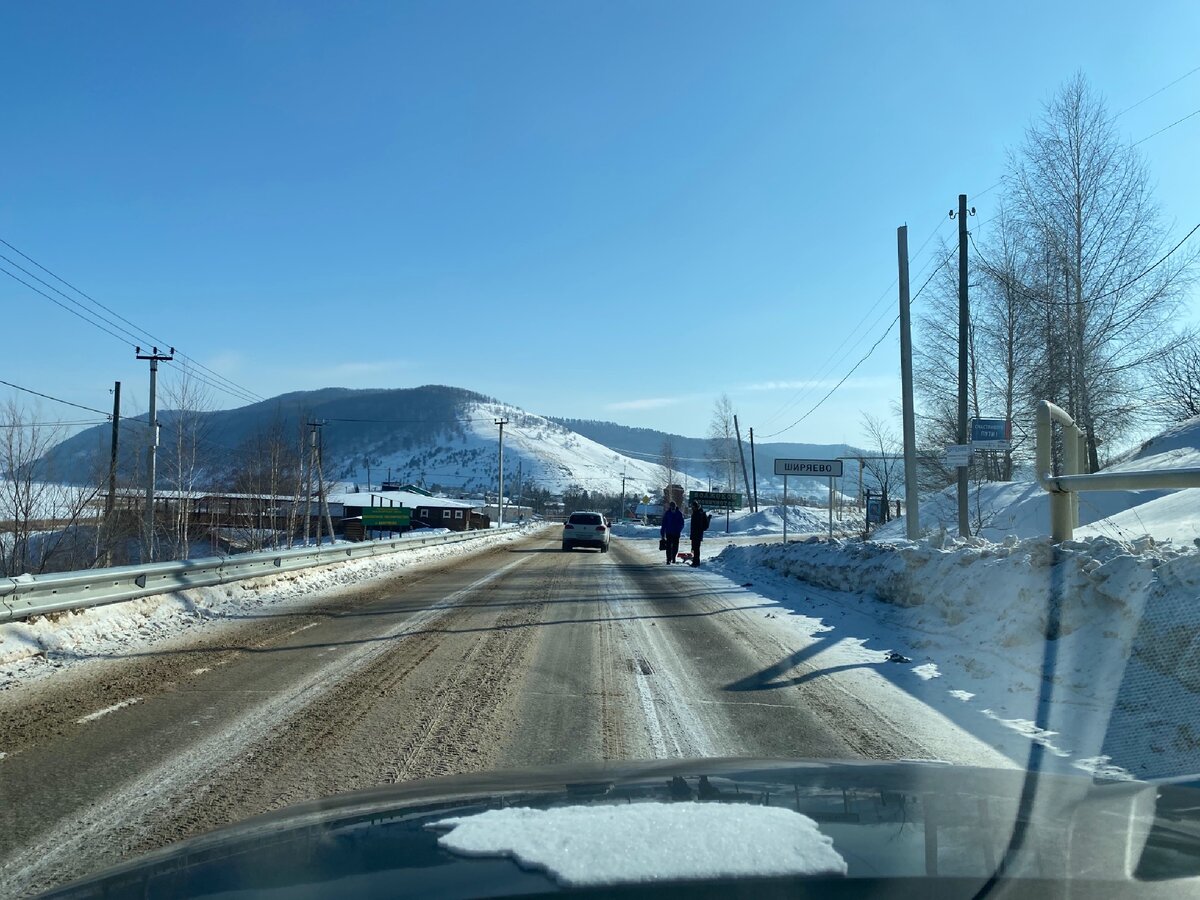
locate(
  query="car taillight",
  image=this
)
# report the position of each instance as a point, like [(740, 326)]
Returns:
[(568, 525), (599, 527)]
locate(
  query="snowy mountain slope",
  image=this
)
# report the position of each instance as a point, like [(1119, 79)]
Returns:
[(432, 435), (541, 452)]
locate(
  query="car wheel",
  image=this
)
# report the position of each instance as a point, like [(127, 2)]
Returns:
[(566, 546)]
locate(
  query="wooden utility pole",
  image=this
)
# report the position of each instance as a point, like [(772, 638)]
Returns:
[(964, 319), (111, 502), (112, 460), (912, 522), (152, 447), (742, 453)]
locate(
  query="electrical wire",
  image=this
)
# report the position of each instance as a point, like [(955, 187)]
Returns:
[(225, 384), (1048, 301), (862, 360), (1156, 93), (107, 416), (834, 361), (1194, 112), (73, 312)]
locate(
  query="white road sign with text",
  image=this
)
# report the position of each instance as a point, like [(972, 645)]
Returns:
[(813, 468)]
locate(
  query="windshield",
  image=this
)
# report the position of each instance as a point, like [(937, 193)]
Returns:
[(410, 390)]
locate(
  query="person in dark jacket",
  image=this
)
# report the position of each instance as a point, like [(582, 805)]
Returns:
[(700, 522), (672, 528)]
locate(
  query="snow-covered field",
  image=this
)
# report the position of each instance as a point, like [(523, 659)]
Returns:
[(49, 644)]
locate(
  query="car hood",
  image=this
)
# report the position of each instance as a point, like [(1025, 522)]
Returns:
[(903, 825)]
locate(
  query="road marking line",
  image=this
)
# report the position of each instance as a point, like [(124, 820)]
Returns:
[(91, 717)]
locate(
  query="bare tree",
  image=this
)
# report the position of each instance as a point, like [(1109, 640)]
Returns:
[(1083, 198), (722, 444), (1176, 380), (45, 523), (885, 465), (187, 432), (668, 460)]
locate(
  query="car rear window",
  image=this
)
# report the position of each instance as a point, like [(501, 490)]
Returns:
[(586, 519)]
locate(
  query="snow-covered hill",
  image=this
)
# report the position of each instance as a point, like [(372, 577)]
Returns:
[(538, 451)]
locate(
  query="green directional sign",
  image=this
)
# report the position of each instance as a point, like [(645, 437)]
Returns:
[(386, 518), (716, 499)]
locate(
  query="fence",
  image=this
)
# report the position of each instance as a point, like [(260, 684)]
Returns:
[(1064, 505), (37, 595)]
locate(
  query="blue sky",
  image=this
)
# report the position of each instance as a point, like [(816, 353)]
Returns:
[(603, 210)]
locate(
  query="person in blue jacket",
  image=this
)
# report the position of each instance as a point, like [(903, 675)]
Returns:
[(672, 528)]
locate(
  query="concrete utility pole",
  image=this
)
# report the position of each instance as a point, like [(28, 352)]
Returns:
[(321, 481), (912, 521), (964, 319), (152, 449), (754, 474), (621, 511), (500, 495)]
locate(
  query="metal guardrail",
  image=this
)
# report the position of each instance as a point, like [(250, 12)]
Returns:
[(1064, 504), (37, 595)]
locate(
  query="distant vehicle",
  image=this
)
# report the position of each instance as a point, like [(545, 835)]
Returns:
[(586, 529)]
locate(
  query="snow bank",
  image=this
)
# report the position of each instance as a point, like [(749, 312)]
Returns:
[(46, 644), (1098, 640), (1021, 509)]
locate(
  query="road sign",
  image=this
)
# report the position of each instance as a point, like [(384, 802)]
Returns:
[(817, 468), (991, 434), (958, 455), (875, 510), (716, 499), (386, 518)]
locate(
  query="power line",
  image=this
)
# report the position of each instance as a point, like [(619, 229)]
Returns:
[(147, 337), (833, 360), (1156, 93), (203, 379), (1194, 112), (58, 303), (107, 416), (1049, 301), (59, 424), (862, 360)]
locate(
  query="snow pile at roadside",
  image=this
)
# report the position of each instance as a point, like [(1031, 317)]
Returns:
[(46, 644), (1091, 649), (1021, 509)]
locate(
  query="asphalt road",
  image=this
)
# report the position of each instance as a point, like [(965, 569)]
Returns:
[(506, 658)]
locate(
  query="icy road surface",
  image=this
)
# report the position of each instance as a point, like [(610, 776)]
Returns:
[(507, 657)]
